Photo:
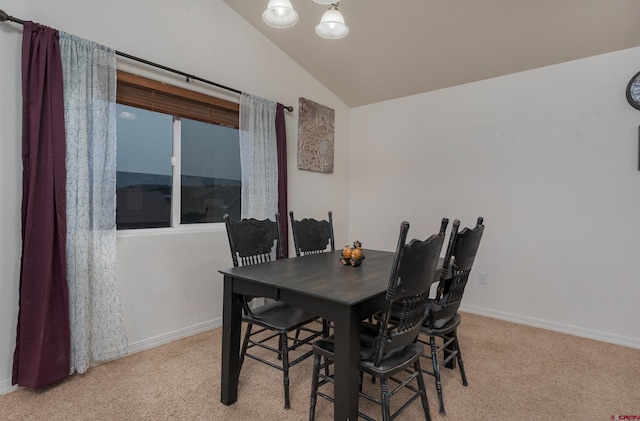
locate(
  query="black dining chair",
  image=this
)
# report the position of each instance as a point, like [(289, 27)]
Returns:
[(442, 318), (390, 350), (252, 242), (311, 236)]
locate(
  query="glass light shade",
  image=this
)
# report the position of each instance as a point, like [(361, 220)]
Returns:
[(280, 14), (332, 25)]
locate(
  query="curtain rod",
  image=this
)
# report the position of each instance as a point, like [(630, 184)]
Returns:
[(6, 17)]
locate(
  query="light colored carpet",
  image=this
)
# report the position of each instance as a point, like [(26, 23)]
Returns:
[(515, 372)]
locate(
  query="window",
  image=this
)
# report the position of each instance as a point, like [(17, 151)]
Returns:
[(143, 170), (178, 156), (210, 179)]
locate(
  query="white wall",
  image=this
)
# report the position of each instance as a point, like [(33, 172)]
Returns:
[(169, 281), (549, 158)]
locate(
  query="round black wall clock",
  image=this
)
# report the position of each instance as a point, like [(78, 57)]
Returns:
[(633, 91)]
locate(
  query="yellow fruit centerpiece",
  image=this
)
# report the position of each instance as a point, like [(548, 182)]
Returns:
[(357, 255), (352, 255)]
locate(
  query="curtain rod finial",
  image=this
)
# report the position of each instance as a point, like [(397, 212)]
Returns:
[(4, 16), (289, 108)]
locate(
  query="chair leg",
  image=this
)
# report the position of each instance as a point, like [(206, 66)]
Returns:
[(283, 345), (423, 390), (459, 356), (326, 329), (449, 351), (436, 372), (245, 343), (314, 386), (384, 394), (285, 368)]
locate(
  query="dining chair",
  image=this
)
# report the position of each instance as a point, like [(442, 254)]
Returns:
[(311, 236), (252, 242), (442, 318), (388, 351)]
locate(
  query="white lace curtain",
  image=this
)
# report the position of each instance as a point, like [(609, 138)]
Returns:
[(95, 310), (258, 157)]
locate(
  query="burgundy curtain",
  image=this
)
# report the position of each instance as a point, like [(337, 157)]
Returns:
[(42, 352), (281, 136)]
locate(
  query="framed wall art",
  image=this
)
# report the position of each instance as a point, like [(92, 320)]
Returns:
[(316, 127)]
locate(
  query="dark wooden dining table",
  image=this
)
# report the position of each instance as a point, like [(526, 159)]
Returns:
[(321, 285)]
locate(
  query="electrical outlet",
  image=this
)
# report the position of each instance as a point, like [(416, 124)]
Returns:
[(483, 277)]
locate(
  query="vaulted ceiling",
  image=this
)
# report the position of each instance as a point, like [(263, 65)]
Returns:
[(397, 48)]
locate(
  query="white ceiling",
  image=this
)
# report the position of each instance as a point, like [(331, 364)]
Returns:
[(397, 48)]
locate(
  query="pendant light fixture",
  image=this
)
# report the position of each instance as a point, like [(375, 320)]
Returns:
[(332, 25), (280, 14)]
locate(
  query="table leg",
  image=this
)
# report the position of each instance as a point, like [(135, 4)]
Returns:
[(347, 364), (231, 326)]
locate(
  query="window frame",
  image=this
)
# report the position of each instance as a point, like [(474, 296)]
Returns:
[(149, 94)]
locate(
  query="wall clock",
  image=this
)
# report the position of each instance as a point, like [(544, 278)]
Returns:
[(633, 91)]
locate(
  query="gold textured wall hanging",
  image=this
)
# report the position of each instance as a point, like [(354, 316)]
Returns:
[(316, 127)]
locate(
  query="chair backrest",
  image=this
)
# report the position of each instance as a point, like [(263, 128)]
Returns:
[(311, 236), (461, 253), (252, 241), (413, 272)]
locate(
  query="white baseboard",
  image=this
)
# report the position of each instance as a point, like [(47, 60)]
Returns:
[(556, 327), (165, 338), (5, 385), (143, 345)]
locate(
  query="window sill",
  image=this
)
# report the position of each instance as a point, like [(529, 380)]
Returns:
[(180, 230)]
